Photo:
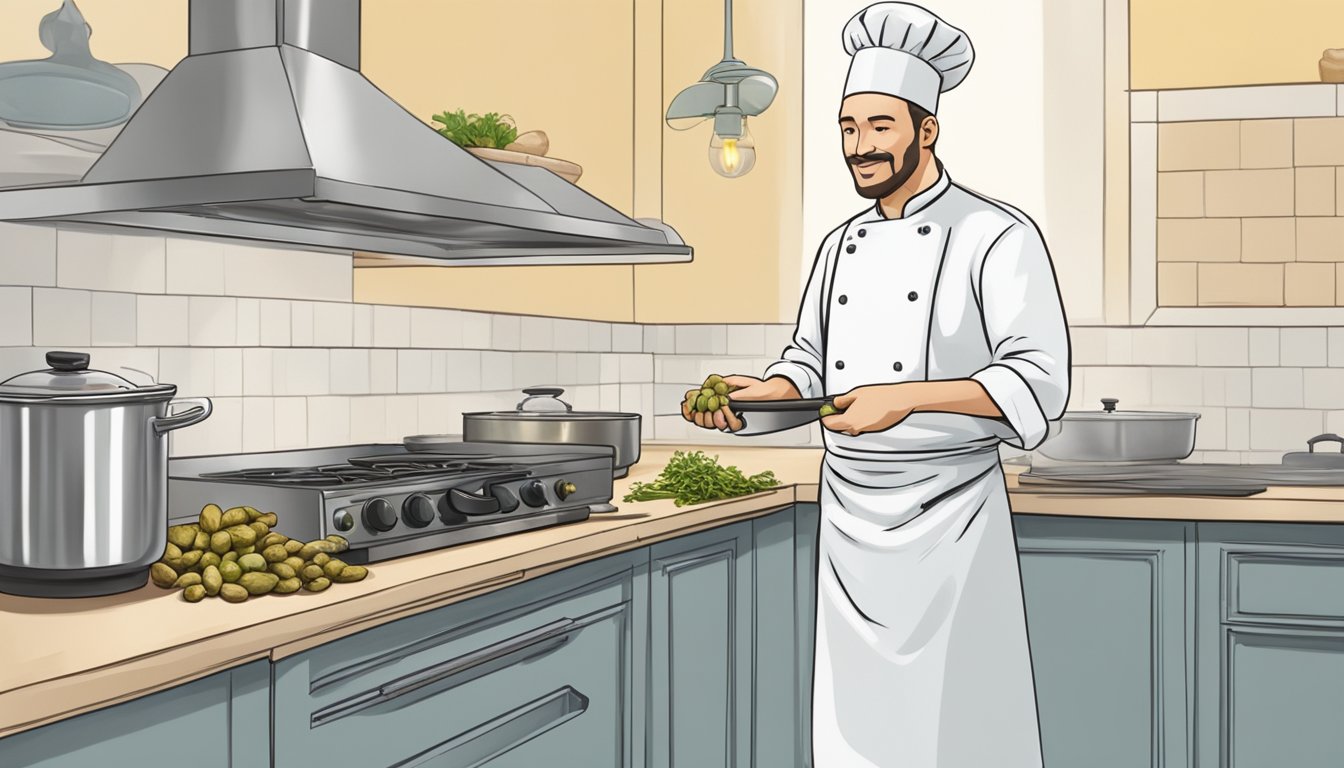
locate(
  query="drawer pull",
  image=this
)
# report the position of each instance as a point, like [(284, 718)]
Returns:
[(471, 665), (494, 737), (541, 640)]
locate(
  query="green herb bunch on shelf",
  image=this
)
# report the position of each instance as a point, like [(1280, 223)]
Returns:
[(694, 478), (491, 130)]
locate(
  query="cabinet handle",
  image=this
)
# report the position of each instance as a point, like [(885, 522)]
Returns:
[(501, 734), (541, 640)]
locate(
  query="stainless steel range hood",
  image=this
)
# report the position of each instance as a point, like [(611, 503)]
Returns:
[(267, 132)]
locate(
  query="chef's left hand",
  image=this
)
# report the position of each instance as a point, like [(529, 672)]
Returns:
[(872, 408)]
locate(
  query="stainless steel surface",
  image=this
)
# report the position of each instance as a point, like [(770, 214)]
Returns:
[(764, 417), (1321, 459), (1167, 478), (318, 492), (1113, 435), (542, 417), (281, 144), (83, 486)]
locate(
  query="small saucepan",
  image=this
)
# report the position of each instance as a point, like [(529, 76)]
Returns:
[(1113, 436), (542, 417)]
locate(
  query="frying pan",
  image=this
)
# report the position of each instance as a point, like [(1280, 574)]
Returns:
[(764, 417)]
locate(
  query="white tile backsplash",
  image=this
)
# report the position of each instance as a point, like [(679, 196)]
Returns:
[(229, 372), (391, 327), (333, 324), (294, 367), (1303, 347), (276, 323), (301, 323), (27, 255), (328, 421), (101, 262), (258, 424), (16, 316), (264, 272), (212, 321), (1276, 388), (249, 322), (258, 372), (194, 267), (350, 371), (627, 337), (61, 318), (161, 321)]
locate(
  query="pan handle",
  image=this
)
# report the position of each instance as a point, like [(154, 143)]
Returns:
[(199, 412), (1329, 437)]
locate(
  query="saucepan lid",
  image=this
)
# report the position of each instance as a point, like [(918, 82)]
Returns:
[(1109, 413), (69, 376), (544, 403)]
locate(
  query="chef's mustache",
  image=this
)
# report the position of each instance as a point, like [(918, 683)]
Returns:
[(870, 157)]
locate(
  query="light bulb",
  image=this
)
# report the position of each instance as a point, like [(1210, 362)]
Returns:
[(732, 156)]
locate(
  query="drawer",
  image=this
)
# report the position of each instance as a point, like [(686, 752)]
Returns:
[(1284, 586), (535, 674)]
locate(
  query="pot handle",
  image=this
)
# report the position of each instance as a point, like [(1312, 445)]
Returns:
[(1326, 438), (195, 415)]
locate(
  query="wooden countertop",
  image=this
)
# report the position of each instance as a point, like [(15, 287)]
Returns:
[(65, 657)]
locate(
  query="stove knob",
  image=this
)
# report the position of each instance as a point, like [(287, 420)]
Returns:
[(417, 510), (379, 515), (533, 493), (508, 500), (343, 520), (564, 489), (471, 503)]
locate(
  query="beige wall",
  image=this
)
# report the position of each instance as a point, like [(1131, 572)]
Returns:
[(561, 72), (570, 72), (1201, 43)]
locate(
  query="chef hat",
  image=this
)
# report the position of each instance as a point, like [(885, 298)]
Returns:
[(905, 51)]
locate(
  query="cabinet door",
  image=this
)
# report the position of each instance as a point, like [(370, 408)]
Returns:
[(221, 721), (1106, 618), (775, 661), (535, 674), (807, 518), (1271, 646), (700, 650)]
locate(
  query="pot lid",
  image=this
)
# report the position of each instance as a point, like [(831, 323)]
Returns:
[(1108, 412), (70, 376), (545, 402)]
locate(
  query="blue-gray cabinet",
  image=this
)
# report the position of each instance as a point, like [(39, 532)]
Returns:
[(1106, 604), (538, 674), (221, 721), (1270, 611), (700, 649)]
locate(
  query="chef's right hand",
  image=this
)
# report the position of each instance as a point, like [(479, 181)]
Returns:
[(747, 388)]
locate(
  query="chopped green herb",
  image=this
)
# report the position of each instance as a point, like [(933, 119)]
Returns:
[(694, 478), (491, 130)]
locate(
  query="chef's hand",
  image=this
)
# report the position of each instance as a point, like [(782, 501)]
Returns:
[(872, 409), (749, 388)]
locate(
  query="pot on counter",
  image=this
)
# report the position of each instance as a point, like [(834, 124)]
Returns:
[(1114, 436), (542, 417), (84, 478)]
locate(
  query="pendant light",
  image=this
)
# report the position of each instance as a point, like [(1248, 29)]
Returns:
[(729, 92)]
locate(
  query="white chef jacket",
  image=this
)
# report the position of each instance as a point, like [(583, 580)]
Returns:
[(960, 286), (922, 657)]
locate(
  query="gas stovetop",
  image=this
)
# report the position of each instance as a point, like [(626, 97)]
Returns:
[(1168, 478), (390, 502)]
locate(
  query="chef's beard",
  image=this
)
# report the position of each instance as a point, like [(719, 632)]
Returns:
[(898, 178)]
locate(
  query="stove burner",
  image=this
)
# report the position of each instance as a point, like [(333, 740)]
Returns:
[(371, 470)]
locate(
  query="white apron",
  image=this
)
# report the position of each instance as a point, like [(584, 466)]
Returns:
[(921, 646)]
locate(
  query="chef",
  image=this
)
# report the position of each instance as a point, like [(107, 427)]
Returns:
[(934, 319)]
